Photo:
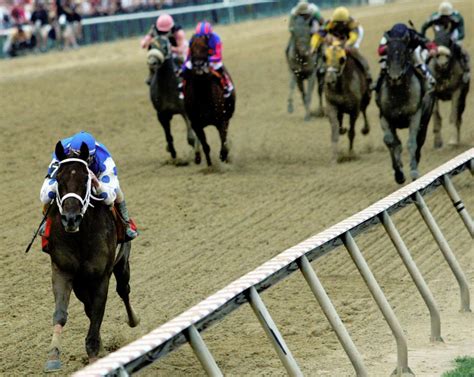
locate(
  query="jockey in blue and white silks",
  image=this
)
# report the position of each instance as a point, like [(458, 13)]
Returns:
[(104, 180)]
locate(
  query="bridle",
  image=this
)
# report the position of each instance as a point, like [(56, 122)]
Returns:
[(85, 202)]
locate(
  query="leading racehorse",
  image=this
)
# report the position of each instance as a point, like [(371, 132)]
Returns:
[(303, 66), (347, 91), (450, 85), (204, 98), (164, 94), (403, 103), (82, 246)]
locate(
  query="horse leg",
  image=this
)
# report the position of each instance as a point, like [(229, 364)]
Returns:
[(300, 83), (292, 91), (437, 121), (199, 131), (412, 143), (394, 146), (62, 287), (165, 120), (95, 308), (224, 153), (342, 129), (455, 118), (309, 96), (365, 103), (320, 111), (334, 120), (352, 121), (193, 141), (122, 277)]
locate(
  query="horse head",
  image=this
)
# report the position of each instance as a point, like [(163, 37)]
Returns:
[(159, 52), (443, 57), (74, 187), (301, 34), (335, 58), (199, 51), (398, 58)]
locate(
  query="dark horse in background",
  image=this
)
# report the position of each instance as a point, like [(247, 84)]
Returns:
[(204, 98), (304, 67), (82, 247), (347, 91), (450, 86), (403, 103), (164, 94)]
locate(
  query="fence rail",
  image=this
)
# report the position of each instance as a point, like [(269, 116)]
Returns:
[(187, 326)]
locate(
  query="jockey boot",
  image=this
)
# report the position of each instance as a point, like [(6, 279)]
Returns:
[(228, 86), (429, 81), (130, 233)]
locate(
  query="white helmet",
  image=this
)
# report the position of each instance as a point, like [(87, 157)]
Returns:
[(313, 8), (445, 8)]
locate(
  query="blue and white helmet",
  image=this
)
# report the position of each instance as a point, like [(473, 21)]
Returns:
[(83, 137)]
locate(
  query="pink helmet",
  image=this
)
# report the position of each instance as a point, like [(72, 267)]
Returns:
[(164, 23), (203, 28)]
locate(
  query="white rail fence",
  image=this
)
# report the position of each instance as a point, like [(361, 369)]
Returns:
[(187, 326)]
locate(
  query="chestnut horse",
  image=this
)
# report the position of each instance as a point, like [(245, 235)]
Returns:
[(82, 246), (204, 98)]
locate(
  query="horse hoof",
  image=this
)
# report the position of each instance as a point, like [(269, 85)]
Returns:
[(319, 113), (52, 366), (453, 142), (342, 130), (399, 177), (307, 118), (290, 109), (197, 158), (414, 175), (365, 130), (438, 144)]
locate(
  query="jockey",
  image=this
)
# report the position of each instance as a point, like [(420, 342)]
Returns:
[(308, 11), (345, 28), (451, 20), (104, 179), (179, 44), (204, 28), (417, 44)]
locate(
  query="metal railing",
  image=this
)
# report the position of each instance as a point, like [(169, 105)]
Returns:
[(187, 326)]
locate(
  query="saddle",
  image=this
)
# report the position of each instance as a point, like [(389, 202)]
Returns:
[(119, 225)]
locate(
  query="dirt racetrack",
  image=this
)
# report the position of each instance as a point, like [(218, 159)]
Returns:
[(200, 230)]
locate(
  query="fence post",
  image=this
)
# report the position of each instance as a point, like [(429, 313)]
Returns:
[(377, 293), (415, 275), (458, 204), (202, 353), (273, 334), (332, 316), (446, 251)]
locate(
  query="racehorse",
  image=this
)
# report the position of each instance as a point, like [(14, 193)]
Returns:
[(347, 92), (164, 94), (403, 103), (450, 86), (204, 98), (82, 245), (302, 63)]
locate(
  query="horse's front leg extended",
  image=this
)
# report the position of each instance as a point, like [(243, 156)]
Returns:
[(309, 96), (292, 91), (199, 131), (352, 121), (224, 154), (334, 121), (95, 308), (394, 146), (437, 121), (62, 286), (455, 118), (193, 140), (165, 120), (412, 143)]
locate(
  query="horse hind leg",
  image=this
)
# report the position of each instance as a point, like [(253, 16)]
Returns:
[(437, 122), (457, 108), (62, 287), (224, 153), (193, 141), (351, 134), (165, 121), (122, 277), (292, 91)]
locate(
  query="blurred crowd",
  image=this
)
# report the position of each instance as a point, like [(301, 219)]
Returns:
[(38, 25)]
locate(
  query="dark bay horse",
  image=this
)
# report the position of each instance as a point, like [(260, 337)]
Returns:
[(82, 247), (347, 92), (403, 103), (448, 72), (204, 98), (164, 94), (303, 66)]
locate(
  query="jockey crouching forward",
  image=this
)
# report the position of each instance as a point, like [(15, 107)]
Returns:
[(104, 179), (165, 26), (308, 11), (346, 29), (450, 20), (417, 44), (215, 56)]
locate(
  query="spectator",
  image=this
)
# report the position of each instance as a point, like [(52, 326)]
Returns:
[(18, 42), (41, 27)]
